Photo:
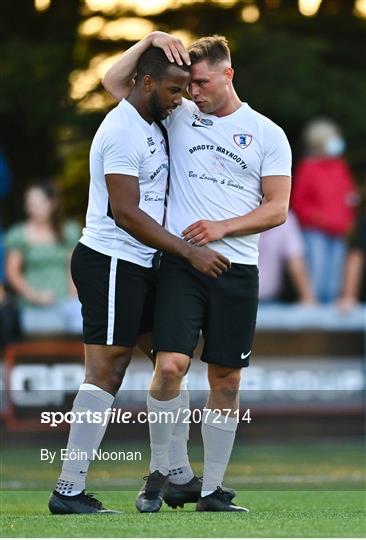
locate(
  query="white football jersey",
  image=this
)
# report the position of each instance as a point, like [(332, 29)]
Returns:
[(125, 144), (216, 166)]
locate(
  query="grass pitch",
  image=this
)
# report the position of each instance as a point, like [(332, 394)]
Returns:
[(275, 513), (291, 491)]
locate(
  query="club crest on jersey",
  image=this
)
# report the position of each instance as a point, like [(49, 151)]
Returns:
[(242, 139)]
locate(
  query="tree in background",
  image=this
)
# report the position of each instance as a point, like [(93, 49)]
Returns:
[(37, 49), (288, 67)]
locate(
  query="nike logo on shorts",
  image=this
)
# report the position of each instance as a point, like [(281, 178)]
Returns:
[(244, 356)]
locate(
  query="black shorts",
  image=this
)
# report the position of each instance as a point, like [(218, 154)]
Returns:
[(224, 308), (117, 297)]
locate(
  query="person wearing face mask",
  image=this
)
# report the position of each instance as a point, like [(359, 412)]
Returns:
[(324, 197), (38, 252)]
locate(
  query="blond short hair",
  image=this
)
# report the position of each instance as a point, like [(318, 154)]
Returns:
[(317, 132), (214, 48)]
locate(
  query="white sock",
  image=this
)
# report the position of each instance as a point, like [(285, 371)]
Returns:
[(161, 431), (180, 471), (83, 438), (218, 440), (181, 475)]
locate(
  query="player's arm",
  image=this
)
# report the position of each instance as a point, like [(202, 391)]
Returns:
[(271, 213), (124, 196), (118, 80)]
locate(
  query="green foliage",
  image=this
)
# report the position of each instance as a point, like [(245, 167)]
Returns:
[(74, 181), (289, 67), (290, 79), (36, 58)]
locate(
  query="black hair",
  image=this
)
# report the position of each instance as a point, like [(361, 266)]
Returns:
[(154, 62)]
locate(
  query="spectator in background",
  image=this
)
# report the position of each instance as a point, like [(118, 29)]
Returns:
[(283, 248), (354, 268), (5, 180), (324, 197), (37, 264)]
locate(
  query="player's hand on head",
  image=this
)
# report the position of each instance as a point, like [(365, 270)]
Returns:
[(208, 261), (203, 231), (172, 46)]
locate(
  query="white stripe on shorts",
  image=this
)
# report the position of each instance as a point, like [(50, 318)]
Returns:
[(111, 299)]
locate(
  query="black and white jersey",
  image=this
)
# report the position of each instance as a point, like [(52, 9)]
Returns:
[(217, 164), (125, 144)]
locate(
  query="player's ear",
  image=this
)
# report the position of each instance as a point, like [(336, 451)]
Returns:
[(148, 83), (229, 74)]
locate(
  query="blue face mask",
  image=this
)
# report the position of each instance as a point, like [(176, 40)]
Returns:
[(335, 146)]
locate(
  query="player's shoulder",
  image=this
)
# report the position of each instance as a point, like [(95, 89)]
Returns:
[(263, 122), (123, 117), (187, 105), (186, 108), (122, 124), (270, 134)]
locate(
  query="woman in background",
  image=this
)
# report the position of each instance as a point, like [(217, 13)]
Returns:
[(37, 264), (324, 197)]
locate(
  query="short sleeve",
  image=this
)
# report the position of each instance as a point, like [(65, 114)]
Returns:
[(120, 152), (14, 238), (72, 233), (277, 152)]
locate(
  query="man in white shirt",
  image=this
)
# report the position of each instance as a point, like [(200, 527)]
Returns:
[(112, 264), (230, 179)]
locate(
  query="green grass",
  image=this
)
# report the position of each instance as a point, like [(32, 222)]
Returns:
[(291, 490), (272, 514)]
